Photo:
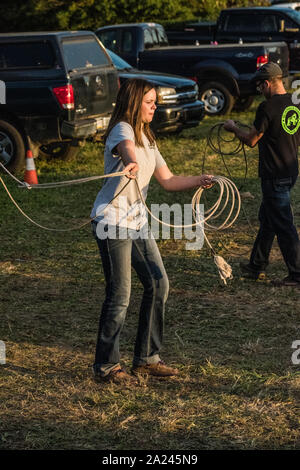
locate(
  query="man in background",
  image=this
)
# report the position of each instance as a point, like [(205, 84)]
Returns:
[(276, 129)]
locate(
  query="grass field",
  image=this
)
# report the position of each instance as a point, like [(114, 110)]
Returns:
[(237, 388)]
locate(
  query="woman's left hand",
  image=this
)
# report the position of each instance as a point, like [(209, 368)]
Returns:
[(206, 181), (131, 169)]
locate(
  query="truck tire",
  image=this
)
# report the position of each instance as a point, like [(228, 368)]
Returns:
[(62, 150), (216, 97), (12, 147), (242, 104)]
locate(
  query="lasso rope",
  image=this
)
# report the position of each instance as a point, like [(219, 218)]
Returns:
[(83, 180), (215, 143), (60, 184), (227, 188)]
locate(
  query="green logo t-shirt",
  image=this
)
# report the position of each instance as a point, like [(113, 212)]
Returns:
[(290, 119), (278, 119)]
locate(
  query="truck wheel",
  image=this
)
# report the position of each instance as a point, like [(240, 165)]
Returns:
[(242, 104), (12, 147), (62, 150), (217, 99)]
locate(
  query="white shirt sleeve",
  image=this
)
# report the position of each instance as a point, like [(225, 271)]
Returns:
[(159, 160), (121, 131)]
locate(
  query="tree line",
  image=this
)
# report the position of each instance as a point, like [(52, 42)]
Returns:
[(51, 15)]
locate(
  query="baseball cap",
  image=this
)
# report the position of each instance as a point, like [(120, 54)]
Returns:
[(267, 71)]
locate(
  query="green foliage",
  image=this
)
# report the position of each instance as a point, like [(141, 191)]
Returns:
[(37, 15), (210, 9)]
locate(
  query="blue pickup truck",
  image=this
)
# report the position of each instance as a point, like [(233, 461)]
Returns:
[(222, 72)]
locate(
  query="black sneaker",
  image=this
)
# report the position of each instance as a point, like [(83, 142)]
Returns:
[(251, 273)]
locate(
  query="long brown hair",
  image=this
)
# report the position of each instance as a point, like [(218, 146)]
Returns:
[(128, 109)]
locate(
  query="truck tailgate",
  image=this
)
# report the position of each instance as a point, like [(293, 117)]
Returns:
[(92, 75), (279, 53), (92, 92)]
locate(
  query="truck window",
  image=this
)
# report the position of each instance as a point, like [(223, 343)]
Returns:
[(148, 39), (155, 38), (268, 23), (127, 41), (251, 23), (26, 55), (238, 23), (83, 52), (162, 37), (109, 39)]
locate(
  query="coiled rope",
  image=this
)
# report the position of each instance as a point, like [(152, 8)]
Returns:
[(228, 188), (216, 141)]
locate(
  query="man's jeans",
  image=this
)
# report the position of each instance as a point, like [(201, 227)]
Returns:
[(118, 255), (276, 218)]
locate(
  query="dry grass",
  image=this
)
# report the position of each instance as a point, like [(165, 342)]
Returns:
[(237, 387)]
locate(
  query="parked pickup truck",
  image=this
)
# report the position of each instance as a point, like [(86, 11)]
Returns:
[(223, 72), (177, 103), (253, 24), (60, 89)]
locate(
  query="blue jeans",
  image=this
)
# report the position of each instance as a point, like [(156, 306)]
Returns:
[(118, 255), (276, 218)]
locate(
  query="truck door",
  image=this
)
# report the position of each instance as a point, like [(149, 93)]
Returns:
[(148, 61), (128, 46)]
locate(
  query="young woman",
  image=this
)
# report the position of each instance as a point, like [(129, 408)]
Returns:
[(123, 237)]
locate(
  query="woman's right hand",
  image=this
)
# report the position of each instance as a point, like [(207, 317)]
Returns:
[(132, 168)]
